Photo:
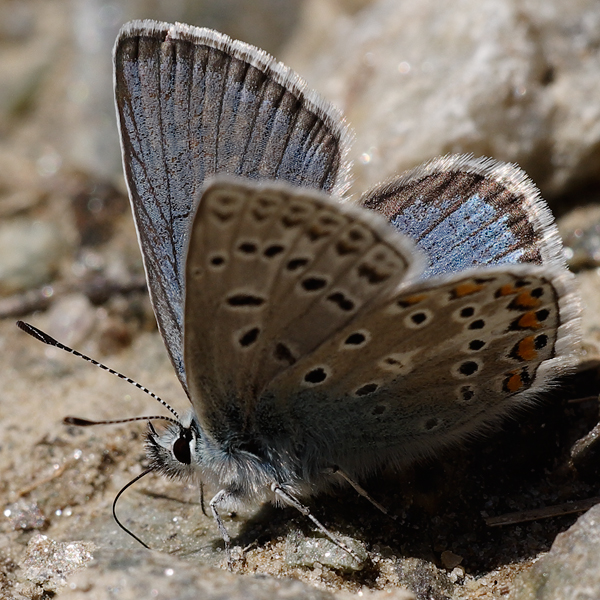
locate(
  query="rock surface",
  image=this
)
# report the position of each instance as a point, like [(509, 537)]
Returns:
[(503, 78), (570, 569)]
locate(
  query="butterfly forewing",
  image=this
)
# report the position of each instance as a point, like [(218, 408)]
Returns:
[(274, 272), (192, 103)]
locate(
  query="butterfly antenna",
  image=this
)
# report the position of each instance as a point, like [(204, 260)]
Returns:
[(46, 339), (114, 507), (79, 422)]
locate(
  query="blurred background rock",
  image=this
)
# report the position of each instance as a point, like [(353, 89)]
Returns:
[(511, 79)]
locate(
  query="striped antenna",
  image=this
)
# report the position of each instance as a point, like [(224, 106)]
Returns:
[(46, 339), (79, 422)]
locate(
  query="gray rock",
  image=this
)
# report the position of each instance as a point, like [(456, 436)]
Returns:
[(571, 568), (25, 515), (424, 579), (301, 551), (30, 253), (70, 319), (136, 574), (504, 78), (47, 563)]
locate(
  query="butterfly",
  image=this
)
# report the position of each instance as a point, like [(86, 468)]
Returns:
[(317, 339)]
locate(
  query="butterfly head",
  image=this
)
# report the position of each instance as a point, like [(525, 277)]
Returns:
[(184, 451), (174, 452)]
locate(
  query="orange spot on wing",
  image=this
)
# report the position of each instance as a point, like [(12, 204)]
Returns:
[(466, 289), (507, 290), (526, 300), (514, 383), (411, 300), (526, 348), (529, 321)]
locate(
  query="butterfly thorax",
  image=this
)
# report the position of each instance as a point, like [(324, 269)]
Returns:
[(241, 464)]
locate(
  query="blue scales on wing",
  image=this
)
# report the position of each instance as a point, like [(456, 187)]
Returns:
[(463, 213), (191, 103)]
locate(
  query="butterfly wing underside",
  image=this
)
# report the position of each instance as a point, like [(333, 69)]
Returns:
[(273, 273), (492, 319), (433, 362), (307, 312), (192, 103)]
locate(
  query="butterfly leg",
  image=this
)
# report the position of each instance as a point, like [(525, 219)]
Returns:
[(361, 491), (220, 498), (202, 504), (289, 499)]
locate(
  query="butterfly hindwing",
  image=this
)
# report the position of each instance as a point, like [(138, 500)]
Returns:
[(463, 213), (191, 103), (434, 361)]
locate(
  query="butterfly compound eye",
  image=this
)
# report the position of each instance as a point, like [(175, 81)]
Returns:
[(181, 449)]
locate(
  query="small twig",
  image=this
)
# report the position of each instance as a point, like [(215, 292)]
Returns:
[(98, 290), (36, 484), (19, 305), (523, 516), (581, 400)]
